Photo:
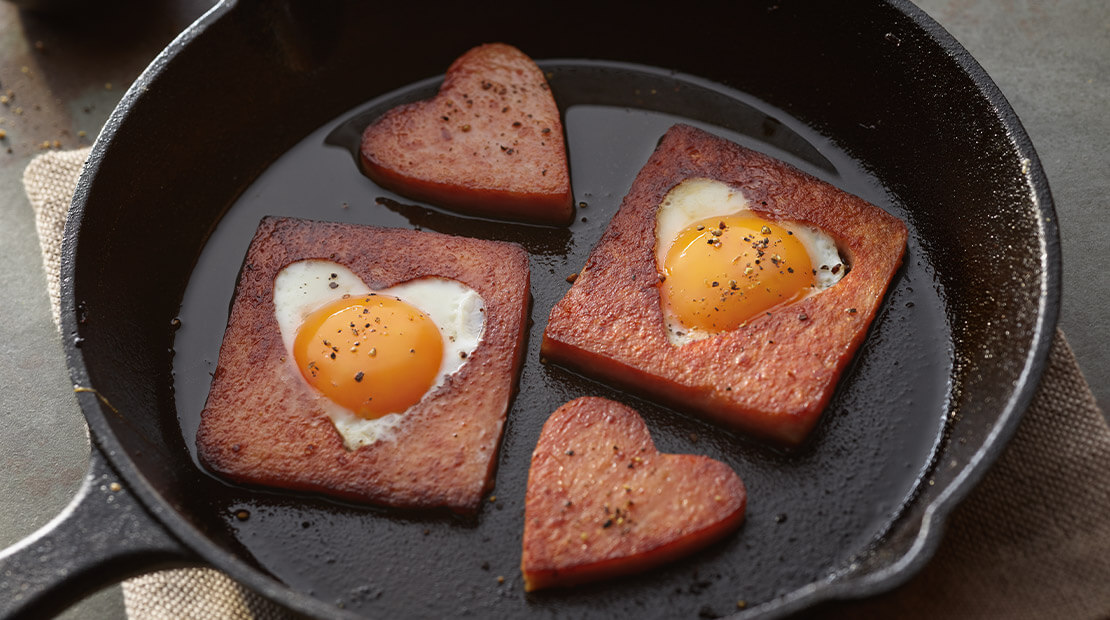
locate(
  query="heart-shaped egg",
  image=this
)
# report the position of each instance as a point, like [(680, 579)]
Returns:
[(602, 501), (372, 355), (722, 264)]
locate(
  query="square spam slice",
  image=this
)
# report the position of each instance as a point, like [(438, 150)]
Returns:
[(772, 376), (263, 424)]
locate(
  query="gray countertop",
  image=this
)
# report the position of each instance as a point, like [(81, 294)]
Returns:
[(1051, 58)]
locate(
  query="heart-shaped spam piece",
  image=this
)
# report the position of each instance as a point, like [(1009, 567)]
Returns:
[(602, 501), (489, 143)]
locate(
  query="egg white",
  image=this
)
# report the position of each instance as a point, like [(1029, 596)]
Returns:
[(697, 199), (457, 310)]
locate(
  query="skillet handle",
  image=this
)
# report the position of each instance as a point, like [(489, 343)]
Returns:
[(103, 536)]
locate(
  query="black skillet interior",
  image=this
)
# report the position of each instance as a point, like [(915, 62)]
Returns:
[(861, 95)]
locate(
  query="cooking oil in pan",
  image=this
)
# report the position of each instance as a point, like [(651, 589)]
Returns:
[(809, 512)]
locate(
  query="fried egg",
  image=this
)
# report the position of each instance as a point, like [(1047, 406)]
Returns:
[(371, 355), (721, 264)]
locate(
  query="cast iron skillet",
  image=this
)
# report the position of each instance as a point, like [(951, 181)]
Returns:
[(890, 100)]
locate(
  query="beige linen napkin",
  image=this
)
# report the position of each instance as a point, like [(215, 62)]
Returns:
[(1032, 541)]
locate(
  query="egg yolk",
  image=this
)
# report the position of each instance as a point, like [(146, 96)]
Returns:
[(723, 271), (373, 354)]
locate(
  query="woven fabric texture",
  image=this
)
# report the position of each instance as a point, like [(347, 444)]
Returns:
[(1031, 541)]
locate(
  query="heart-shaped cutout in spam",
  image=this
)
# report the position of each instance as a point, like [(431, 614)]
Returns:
[(602, 501), (372, 354), (489, 143)]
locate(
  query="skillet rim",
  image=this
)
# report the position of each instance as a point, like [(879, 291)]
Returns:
[(853, 586), (101, 437), (934, 521)]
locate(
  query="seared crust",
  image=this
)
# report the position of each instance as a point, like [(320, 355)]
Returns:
[(603, 502), (772, 377), (490, 143), (262, 424)]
